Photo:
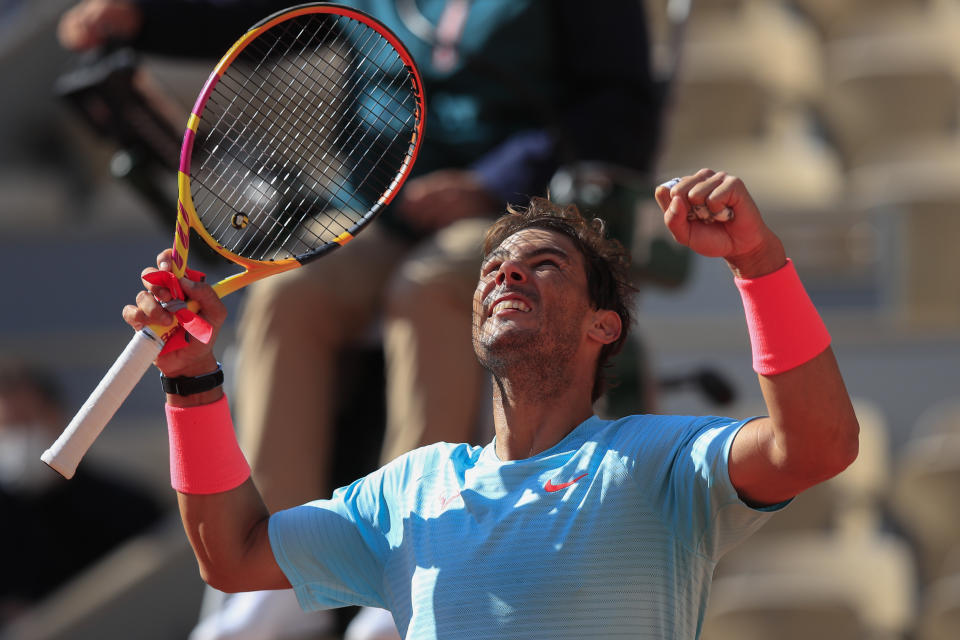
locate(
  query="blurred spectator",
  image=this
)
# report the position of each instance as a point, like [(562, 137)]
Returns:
[(52, 528)]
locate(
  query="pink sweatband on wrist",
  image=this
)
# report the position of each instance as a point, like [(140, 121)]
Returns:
[(785, 328), (204, 454)]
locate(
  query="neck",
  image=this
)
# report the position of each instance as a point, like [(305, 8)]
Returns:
[(528, 421)]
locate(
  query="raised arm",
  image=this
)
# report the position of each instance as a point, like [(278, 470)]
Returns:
[(223, 513), (811, 433)]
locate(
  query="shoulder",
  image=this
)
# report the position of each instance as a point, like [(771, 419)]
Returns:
[(665, 436)]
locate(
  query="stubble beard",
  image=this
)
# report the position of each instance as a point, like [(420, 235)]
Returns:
[(530, 363)]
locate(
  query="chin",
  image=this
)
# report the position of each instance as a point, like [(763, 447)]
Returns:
[(503, 347)]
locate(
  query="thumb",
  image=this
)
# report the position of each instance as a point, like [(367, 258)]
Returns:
[(201, 292), (662, 196)]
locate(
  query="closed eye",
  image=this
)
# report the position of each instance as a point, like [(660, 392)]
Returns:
[(489, 268)]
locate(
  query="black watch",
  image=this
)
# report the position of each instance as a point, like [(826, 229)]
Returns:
[(187, 386)]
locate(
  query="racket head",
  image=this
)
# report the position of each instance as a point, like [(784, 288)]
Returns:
[(304, 131)]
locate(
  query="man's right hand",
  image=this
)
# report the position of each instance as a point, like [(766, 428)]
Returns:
[(93, 23), (196, 358)]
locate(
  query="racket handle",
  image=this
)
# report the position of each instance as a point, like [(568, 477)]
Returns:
[(65, 454)]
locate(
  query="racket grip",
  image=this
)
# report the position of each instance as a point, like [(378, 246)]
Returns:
[(65, 454)]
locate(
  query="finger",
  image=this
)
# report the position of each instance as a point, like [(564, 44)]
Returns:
[(134, 317), (682, 187), (160, 293), (697, 196), (675, 217), (687, 183), (698, 193), (662, 194), (152, 309), (165, 260), (733, 195), (211, 307)]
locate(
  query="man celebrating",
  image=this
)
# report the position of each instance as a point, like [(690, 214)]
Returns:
[(566, 525)]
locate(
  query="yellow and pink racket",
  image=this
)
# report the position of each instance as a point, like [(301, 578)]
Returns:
[(303, 133)]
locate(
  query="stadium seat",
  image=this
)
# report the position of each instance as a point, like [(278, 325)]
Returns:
[(887, 89), (785, 608), (835, 581), (940, 610), (926, 486), (789, 169), (839, 18), (918, 194), (942, 418), (736, 68), (925, 498)]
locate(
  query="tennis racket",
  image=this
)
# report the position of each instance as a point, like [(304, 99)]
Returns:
[(304, 131)]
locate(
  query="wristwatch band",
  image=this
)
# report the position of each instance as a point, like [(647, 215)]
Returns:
[(187, 386)]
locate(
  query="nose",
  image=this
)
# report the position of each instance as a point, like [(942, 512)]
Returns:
[(512, 271)]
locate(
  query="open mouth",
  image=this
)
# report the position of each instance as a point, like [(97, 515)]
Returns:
[(504, 305)]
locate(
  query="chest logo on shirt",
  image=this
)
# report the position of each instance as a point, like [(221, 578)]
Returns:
[(445, 501), (557, 487)]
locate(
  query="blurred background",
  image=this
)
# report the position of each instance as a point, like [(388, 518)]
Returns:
[(843, 119)]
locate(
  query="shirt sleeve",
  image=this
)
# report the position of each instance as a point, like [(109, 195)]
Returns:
[(333, 551), (681, 463)]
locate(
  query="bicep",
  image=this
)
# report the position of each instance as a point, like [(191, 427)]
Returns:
[(265, 572)]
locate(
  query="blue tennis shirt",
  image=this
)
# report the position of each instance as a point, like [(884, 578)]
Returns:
[(613, 532)]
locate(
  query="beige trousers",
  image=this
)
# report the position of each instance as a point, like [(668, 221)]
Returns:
[(294, 326)]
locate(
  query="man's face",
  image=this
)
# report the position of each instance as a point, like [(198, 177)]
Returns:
[(531, 301)]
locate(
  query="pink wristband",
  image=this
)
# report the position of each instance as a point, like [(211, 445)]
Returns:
[(204, 455), (785, 328)]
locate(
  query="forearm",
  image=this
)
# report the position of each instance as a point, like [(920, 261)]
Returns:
[(812, 432), (813, 427), (223, 513)]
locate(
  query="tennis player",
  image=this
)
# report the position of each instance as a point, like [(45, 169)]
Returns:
[(566, 525)]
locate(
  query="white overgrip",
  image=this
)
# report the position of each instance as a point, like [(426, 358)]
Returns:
[(65, 454)]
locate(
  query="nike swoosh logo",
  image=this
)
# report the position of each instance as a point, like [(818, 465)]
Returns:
[(557, 487)]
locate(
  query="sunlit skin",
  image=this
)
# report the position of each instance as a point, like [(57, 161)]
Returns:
[(530, 302), (537, 333)]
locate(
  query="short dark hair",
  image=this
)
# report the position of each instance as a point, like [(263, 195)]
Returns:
[(606, 260)]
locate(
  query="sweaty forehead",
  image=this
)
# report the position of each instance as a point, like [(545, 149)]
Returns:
[(527, 242)]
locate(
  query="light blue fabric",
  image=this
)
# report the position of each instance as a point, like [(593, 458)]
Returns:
[(458, 544)]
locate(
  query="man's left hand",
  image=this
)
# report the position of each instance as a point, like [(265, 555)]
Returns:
[(745, 242)]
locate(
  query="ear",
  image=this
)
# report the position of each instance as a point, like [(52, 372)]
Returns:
[(606, 326)]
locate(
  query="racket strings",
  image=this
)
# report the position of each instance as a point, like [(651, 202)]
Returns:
[(269, 117), (304, 167), (273, 167), (301, 70), (387, 124), (295, 203)]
